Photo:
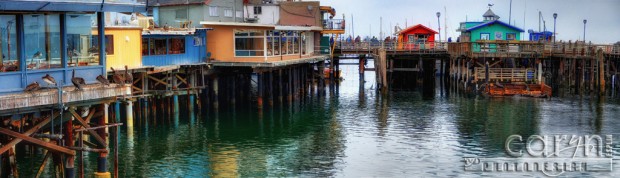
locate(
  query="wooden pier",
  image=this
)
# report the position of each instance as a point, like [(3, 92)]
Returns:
[(574, 67)]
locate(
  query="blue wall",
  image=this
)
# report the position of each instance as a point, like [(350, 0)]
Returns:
[(15, 82), (193, 54)]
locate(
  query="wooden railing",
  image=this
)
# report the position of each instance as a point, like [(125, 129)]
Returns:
[(391, 46), (505, 74)]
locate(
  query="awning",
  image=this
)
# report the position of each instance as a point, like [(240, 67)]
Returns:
[(73, 5)]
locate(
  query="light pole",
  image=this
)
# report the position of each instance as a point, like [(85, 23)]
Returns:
[(555, 16), (584, 30), (439, 25)]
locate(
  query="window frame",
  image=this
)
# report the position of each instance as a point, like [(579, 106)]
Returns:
[(214, 11), (249, 32), (258, 10), (514, 35), (228, 12)]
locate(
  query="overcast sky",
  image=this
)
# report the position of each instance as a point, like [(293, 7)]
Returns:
[(603, 16)]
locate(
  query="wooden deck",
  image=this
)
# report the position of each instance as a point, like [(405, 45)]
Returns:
[(23, 102)]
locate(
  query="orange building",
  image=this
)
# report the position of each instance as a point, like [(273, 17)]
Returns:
[(416, 37), (251, 42)]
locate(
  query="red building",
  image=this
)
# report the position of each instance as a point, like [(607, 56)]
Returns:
[(416, 37)]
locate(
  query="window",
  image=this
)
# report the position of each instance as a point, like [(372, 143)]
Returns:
[(511, 36), (145, 46), (176, 45), (181, 14), (82, 42), (258, 10), (213, 11), (157, 46), (9, 62), (41, 37), (228, 13), (239, 14), (249, 43), (485, 36), (109, 44)]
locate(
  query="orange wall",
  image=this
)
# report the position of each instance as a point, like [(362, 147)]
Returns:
[(220, 42)]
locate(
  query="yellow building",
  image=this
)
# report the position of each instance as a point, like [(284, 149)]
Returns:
[(126, 49)]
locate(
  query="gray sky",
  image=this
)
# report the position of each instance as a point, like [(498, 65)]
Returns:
[(603, 16)]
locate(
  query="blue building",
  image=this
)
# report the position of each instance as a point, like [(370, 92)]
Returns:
[(164, 47), (545, 36), (55, 38)]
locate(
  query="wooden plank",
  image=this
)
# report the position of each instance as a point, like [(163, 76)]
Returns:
[(32, 130), (46, 145), (158, 81), (182, 80), (85, 125)]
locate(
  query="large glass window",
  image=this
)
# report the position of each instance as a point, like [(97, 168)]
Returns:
[(157, 46), (177, 45), (82, 46), (249, 43), (42, 36), (9, 61)]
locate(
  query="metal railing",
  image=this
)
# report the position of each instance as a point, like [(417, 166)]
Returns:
[(334, 24)]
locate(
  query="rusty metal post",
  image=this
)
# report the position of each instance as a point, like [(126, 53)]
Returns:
[(69, 142)]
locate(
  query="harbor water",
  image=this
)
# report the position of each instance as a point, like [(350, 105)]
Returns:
[(353, 131)]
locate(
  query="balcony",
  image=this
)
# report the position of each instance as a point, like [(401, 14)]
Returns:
[(334, 26)]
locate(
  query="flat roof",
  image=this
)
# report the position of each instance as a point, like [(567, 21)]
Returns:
[(298, 28), (236, 24), (73, 5)]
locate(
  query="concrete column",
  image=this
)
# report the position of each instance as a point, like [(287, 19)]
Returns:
[(129, 110), (215, 94), (540, 71)]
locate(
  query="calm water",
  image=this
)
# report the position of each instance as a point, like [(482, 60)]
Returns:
[(353, 133)]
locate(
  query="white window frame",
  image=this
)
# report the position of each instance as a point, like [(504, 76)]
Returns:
[(228, 13), (213, 11), (239, 14), (264, 34)]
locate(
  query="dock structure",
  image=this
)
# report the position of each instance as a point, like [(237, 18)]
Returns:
[(54, 92)]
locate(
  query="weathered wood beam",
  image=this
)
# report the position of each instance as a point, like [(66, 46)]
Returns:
[(85, 125), (32, 130), (47, 145), (42, 167), (182, 80), (158, 81)]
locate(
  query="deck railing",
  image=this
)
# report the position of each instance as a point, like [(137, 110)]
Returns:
[(505, 74), (390, 46), (334, 24)]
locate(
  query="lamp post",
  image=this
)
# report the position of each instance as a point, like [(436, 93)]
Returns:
[(555, 16), (584, 30), (439, 25)]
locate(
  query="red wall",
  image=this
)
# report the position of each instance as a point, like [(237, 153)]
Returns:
[(419, 30)]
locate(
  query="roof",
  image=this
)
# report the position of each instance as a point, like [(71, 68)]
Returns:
[(491, 23), (298, 28), (417, 26), (177, 2), (174, 31), (489, 13), (72, 6), (235, 24)]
